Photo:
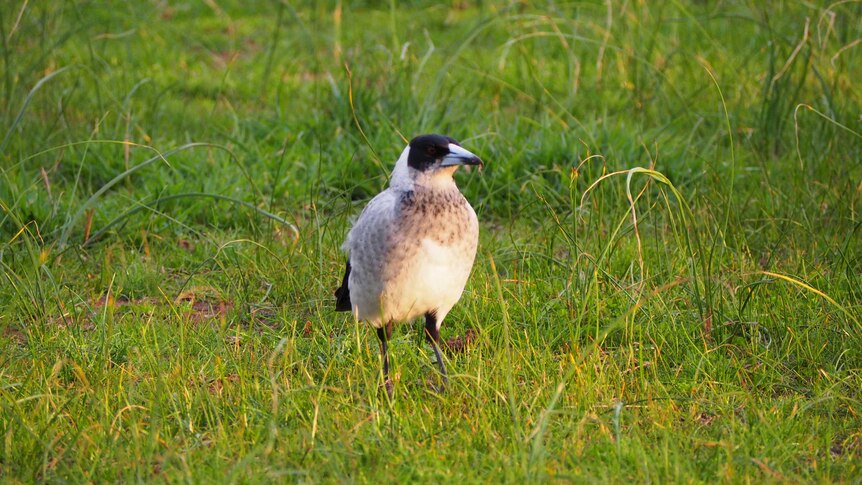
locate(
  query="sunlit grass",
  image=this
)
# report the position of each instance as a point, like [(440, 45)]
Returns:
[(668, 281)]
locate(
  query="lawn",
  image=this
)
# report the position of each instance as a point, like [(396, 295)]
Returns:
[(668, 286)]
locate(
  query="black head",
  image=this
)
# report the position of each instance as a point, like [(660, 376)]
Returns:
[(432, 151)]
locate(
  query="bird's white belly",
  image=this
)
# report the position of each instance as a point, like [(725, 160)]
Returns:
[(432, 278), (433, 283)]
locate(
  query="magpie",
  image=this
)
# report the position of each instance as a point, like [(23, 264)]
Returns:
[(412, 248)]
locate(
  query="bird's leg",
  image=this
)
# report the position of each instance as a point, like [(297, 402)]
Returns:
[(383, 333), (384, 348), (432, 333)]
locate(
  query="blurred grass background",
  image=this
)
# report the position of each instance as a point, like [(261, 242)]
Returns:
[(696, 321)]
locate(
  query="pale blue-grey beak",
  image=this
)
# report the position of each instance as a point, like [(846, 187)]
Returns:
[(460, 156)]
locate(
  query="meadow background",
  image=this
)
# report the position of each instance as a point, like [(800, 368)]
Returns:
[(176, 179)]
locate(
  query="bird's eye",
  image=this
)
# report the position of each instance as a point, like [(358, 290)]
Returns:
[(431, 150)]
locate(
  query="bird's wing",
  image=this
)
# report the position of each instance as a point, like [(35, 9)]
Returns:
[(377, 216)]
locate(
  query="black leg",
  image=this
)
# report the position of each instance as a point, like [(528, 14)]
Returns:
[(383, 333), (433, 336)]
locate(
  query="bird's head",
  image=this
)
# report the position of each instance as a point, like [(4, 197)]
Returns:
[(431, 153), (430, 160)]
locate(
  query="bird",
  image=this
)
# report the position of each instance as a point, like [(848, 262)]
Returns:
[(411, 250)]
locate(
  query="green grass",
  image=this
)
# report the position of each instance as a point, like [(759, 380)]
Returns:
[(699, 321)]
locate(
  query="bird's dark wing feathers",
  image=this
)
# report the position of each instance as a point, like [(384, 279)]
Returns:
[(342, 294)]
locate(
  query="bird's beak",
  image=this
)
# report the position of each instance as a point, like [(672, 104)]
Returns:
[(460, 156)]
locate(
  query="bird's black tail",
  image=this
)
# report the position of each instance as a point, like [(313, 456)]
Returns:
[(342, 294)]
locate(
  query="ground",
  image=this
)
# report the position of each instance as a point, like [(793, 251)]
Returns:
[(668, 280)]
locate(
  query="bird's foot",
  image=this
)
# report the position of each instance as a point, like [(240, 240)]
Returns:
[(387, 384), (441, 388)]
